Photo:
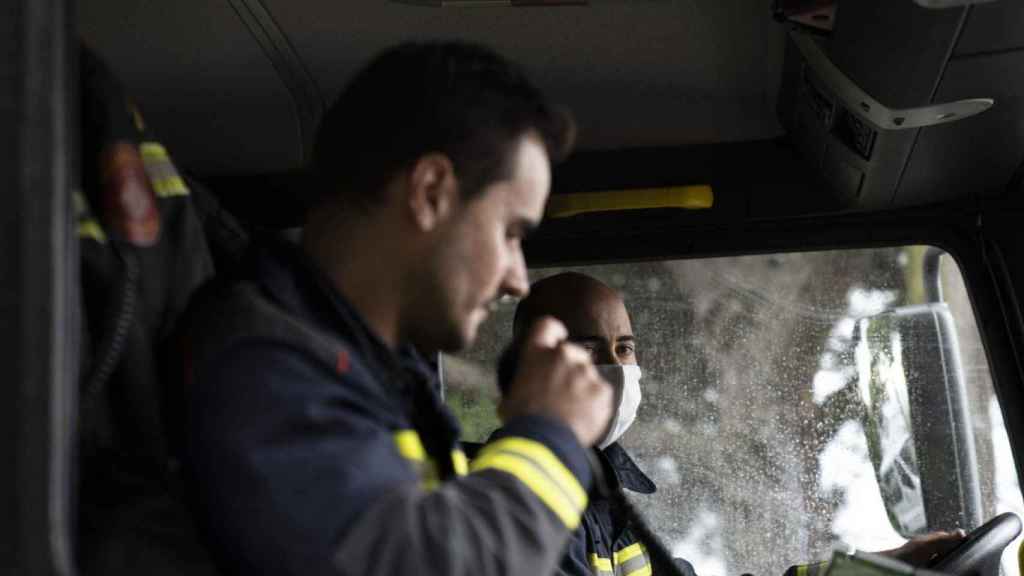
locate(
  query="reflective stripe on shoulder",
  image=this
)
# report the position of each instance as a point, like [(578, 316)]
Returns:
[(536, 466), (166, 181)]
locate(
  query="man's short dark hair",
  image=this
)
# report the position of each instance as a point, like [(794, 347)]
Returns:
[(462, 100)]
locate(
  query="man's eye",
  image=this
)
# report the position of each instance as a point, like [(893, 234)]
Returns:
[(625, 349)]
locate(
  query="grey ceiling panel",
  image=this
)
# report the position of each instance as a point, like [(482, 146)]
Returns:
[(636, 73), (977, 154), (203, 82), (894, 50), (993, 27)]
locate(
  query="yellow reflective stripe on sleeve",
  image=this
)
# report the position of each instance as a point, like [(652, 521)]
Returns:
[(601, 565), (801, 570), (459, 462), (169, 187), (91, 229), (88, 226), (410, 446), (537, 481), (167, 183), (628, 552), (645, 570), (541, 471), (153, 151), (80, 204), (632, 561), (547, 461)]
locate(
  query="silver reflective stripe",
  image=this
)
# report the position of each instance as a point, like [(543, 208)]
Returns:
[(632, 566)]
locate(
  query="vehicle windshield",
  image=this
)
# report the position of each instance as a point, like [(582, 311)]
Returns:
[(786, 403)]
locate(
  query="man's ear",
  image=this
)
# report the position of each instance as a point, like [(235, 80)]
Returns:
[(433, 190)]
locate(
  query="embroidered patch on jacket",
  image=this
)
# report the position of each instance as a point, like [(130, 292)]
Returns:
[(129, 203)]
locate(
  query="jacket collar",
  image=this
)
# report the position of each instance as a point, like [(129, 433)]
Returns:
[(296, 283), (290, 278), (626, 472)]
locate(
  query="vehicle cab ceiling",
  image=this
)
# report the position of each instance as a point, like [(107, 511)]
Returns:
[(666, 93)]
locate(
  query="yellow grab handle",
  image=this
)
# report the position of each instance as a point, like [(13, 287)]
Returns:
[(699, 197)]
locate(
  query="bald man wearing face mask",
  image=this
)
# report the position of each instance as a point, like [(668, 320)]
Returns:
[(596, 319)]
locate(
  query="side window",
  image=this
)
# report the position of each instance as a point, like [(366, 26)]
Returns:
[(795, 401)]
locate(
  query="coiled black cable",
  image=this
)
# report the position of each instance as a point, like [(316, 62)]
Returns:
[(113, 341)]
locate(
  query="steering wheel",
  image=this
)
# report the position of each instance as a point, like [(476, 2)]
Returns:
[(978, 554)]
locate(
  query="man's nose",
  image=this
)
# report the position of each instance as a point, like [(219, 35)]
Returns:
[(517, 280)]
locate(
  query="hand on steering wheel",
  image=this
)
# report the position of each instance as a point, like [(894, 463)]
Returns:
[(979, 553), (923, 550)]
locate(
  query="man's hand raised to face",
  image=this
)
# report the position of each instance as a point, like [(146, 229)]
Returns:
[(557, 379)]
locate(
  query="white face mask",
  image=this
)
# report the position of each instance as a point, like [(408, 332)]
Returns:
[(626, 382)]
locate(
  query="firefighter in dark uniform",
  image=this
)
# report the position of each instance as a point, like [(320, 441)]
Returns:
[(316, 441), (597, 320)]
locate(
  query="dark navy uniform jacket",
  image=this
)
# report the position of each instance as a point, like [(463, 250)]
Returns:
[(604, 544), (315, 449)]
